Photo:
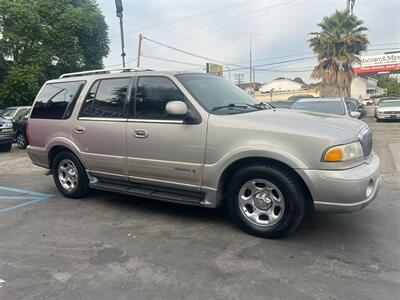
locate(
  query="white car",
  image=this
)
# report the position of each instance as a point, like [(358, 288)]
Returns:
[(388, 110), (367, 102)]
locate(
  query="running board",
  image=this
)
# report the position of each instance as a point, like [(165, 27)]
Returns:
[(151, 192)]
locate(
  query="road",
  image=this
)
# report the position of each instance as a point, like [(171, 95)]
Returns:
[(111, 246)]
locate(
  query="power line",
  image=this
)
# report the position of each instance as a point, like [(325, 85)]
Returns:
[(229, 18), (234, 24), (174, 61), (189, 53)]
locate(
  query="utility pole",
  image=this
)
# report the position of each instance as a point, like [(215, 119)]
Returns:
[(251, 63), (120, 9), (139, 49)]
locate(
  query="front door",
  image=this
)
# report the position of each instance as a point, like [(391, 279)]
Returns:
[(163, 150), (100, 131)]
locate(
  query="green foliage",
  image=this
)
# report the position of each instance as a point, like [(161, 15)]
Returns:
[(341, 39), (391, 85), (47, 38), (299, 80)]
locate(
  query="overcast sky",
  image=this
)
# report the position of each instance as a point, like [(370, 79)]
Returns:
[(221, 30)]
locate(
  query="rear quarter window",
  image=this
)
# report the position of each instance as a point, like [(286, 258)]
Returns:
[(57, 100)]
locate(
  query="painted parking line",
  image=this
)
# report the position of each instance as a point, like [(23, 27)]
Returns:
[(27, 197)]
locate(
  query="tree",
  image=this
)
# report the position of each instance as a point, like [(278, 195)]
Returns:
[(341, 39), (41, 39), (391, 85), (299, 80)]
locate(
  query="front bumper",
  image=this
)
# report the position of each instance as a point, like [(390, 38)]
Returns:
[(344, 190), (395, 116), (7, 138)]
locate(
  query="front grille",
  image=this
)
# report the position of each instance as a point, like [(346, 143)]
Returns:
[(391, 112), (365, 137)]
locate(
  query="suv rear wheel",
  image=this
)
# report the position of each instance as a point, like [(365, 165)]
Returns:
[(266, 201), (69, 175)]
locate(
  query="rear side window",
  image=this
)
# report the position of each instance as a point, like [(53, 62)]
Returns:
[(108, 98), (57, 100)]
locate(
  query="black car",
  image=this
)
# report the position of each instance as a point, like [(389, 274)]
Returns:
[(281, 104), (7, 134), (21, 135)]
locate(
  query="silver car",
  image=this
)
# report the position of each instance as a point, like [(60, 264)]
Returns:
[(197, 139), (336, 106), (388, 110)]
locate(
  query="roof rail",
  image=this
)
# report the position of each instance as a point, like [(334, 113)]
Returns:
[(102, 71)]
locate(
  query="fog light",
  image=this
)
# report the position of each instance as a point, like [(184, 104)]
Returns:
[(370, 188)]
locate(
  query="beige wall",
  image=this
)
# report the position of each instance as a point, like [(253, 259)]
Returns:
[(282, 96)]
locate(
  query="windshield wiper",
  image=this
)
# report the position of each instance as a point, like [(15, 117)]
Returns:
[(237, 105)]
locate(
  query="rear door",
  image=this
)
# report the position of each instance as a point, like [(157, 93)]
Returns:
[(163, 150), (100, 131)]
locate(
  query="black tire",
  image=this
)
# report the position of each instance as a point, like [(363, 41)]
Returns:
[(5, 147), (292, 191), (22, 141), (82, 187)]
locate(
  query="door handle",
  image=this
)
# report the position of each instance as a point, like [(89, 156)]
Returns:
[(141, 133), (79, 129)]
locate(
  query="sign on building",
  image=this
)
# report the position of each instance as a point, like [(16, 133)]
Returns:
[(378, 63), (215, 69)]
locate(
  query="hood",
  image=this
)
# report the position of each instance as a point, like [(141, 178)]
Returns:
[(388, 108), (295, 120)]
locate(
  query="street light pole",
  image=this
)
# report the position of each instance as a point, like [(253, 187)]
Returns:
[(118, 5)]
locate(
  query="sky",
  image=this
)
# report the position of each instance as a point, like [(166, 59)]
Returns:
[(220, 32)]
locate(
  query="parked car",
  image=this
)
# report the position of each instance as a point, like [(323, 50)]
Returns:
[(336, 106), (14, 112), (197, 139), (281, 104), (352, 109), (367, 102), (357, 104), (21, 134), (379, 100), (7, 134), (388, 110), (297, 97)]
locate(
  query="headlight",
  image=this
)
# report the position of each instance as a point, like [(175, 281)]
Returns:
[(343, 152), (8, 125)]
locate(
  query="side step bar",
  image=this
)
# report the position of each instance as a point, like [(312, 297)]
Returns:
[(151, 192)]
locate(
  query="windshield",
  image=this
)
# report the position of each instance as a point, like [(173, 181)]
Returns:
[(328, 107), (8, 112), (218, 95), (390, 103)]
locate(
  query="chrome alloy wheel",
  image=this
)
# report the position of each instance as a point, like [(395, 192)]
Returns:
[(68, 175), (261, 202)]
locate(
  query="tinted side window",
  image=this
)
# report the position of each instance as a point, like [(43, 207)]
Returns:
[(152, 94), (56, 100), (108, 98)]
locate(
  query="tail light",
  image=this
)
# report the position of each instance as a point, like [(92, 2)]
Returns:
[(28, 133)]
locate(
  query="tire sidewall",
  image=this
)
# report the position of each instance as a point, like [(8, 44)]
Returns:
[(25, 142), (83, 182), (288, 190)]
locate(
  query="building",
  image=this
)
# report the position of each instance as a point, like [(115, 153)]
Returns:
[(365, 87), (281, 85)]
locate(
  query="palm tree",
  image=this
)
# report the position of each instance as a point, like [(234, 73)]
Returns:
[(341, 40)]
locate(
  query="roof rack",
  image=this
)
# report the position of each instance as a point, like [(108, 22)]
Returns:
[(102, 71)]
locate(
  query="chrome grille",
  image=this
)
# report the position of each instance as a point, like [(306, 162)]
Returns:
[(391, 112), (365, 137)]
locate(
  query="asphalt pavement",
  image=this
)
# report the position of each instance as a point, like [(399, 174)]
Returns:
[(111, 246)]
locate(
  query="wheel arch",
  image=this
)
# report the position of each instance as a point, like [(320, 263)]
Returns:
[(240, 163), (54, 150)]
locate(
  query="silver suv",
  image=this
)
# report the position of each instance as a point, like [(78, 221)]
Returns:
[(197, 139)]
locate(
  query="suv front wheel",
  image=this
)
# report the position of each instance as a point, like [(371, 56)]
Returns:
[(266, 201), (69, 175)]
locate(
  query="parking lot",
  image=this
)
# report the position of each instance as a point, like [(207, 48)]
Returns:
[(111, 246)]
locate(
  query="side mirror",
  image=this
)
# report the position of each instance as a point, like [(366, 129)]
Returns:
[(355, 114), (176, 108)]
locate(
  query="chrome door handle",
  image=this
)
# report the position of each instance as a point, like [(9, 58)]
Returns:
[(79, 129), (141, 133)]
